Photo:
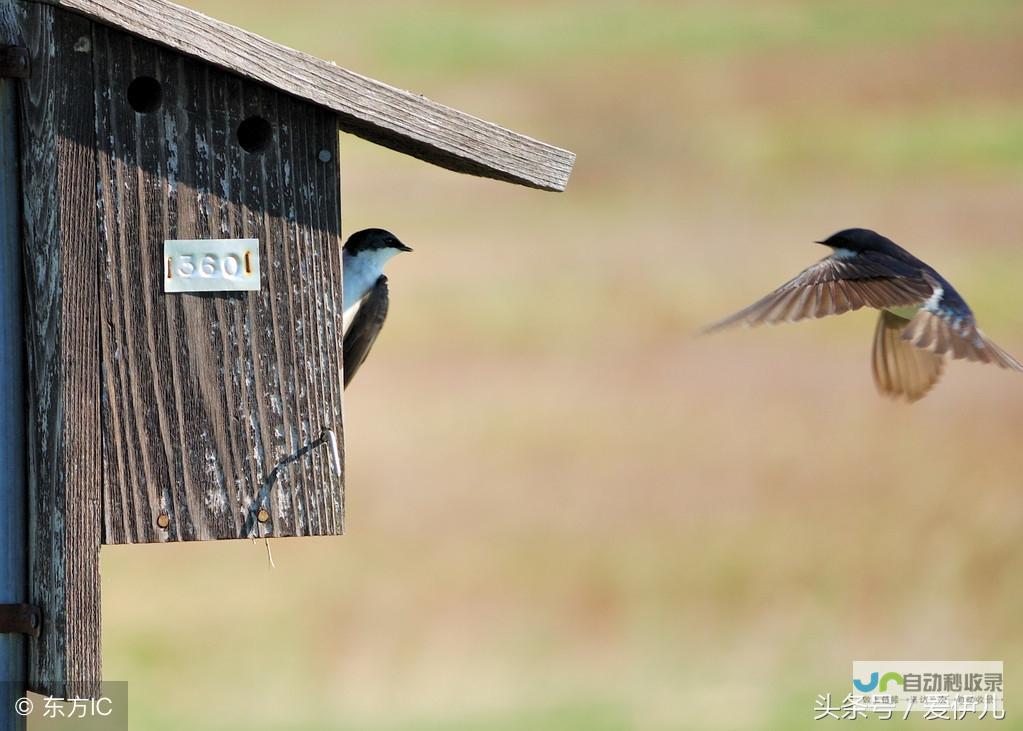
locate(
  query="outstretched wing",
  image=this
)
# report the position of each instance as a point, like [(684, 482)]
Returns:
[(834, 285), (362, 332)]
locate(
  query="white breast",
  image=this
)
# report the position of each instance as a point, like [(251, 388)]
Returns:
[(361, 272)]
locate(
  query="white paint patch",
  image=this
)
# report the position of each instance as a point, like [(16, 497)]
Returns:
[(171, 138), (283, 501), (335, 456), (216, 501)]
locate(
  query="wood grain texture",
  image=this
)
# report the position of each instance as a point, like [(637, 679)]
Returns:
[(14, 62), (406, 122), (61, 264), (214, 405)]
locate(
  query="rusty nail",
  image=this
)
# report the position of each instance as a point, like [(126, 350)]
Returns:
[(163, 520)]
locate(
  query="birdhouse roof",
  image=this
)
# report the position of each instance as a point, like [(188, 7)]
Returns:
[(395, 118)]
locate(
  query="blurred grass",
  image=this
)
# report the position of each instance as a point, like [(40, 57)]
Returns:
[(564, 510)]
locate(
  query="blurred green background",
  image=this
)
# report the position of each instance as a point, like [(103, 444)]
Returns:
[(564, 510)]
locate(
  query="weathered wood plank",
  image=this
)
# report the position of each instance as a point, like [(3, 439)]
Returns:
[(59, 204), (398, 119), (14, 62), (213, 403)]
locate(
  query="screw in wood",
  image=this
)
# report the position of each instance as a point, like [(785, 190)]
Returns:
[(163, 520), (263, 516), (326, 156)]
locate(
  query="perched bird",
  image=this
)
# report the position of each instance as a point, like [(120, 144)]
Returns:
[(365, 292), (922, 317)]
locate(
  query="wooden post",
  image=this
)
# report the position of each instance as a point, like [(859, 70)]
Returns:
[(61, 250), (13, 560)]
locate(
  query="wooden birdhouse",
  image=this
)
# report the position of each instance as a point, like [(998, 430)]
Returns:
[(180, 232)]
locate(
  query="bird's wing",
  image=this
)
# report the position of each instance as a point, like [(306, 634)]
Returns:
[(900, 369), (362, 333), (940, 330), (830, 287)]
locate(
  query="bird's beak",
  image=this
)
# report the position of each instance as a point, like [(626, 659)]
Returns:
[(402, 247), (820, 242)]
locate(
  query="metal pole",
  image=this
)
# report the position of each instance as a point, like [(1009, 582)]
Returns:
[(13, 509)]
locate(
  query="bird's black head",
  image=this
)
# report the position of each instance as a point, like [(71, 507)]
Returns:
[(373, 239), (859, 239)]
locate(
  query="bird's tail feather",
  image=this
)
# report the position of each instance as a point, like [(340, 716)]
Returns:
[(937, 334), (902, 370)]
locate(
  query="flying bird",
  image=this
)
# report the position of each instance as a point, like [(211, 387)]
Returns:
[(922, 319), (366, 296)]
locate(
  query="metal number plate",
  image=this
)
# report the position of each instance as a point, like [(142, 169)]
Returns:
[(215, 265)]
